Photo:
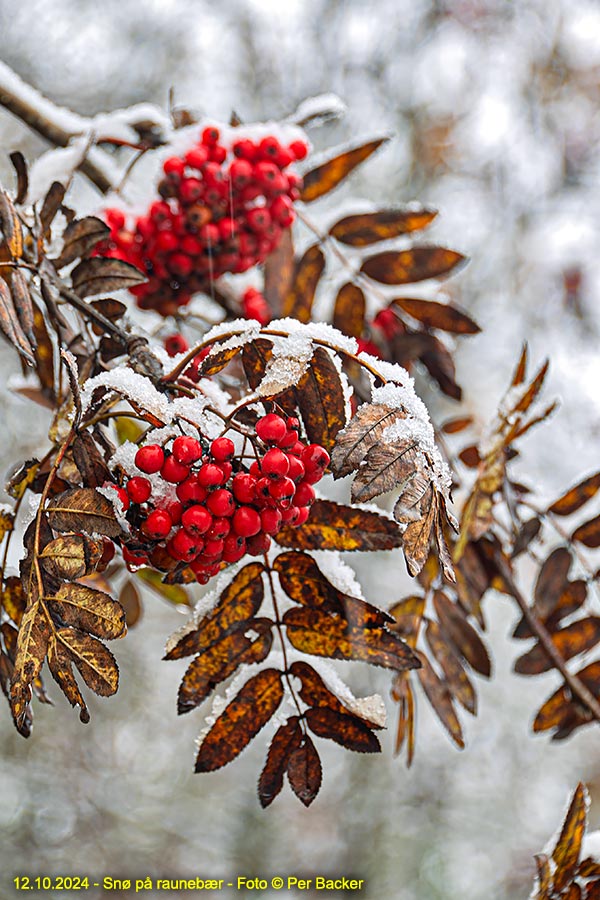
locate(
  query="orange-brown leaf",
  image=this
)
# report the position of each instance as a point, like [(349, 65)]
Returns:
[(367, 228), (544, 877), (439, 697), (349, 310), (314, 692), (576, 638), (328, 175), (560, 711), (385, 467), (10, 325), (89, 610), (588, 533), (10, 226), (455, 677), (217, 359), (568, 847), (576, 496), (83, 509), (60, 665), (279, 273), (95, 662), (32, 645), (347, 730), (129, 598), (14, 601), (333, 526), (403, 693), (453, 426), (454, 624), (100, 275), (438, 315), (409, 266), (299, 299), (321, 401), (304, 771), (286, 740), (241, 720)]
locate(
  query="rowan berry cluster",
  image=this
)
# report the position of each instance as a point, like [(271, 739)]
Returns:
[(219, 211), (207, 509)]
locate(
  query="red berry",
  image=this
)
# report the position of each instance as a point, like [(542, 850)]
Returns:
[(291, 515), (175, 510), (196, 157), (166, 242), (173, 166), (289, 440), (275, 463), (263, 490), (271, 428), (139, 489), (176, 343), (218, 154), (270, 520), (196, 519), (121, 494), (190, 190), (245, 149), (213, 547), (305, 495), (220, 528), (240, 173), (258, 219), (183, 546), (246, 521), (157, 525), (173, 471), (303, 514), (221, 503), (234, 547), (149, 459), (283, 492), (387, 321), (244, 487), (210, 475), (190, 490), (180, 264), (258, 544), (296, 471), (298, 149), (222, 449), (134, 559), (315, 457), (187, 450), (210, 136)]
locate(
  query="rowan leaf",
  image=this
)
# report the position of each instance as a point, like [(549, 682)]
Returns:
[(89, 461), (588, 533), (576, 496), (237, 605), (322, 634), (364, 431), (576, 638), (347, 730), (544, 877), (101, 275), (568, 847), (51, 204), (304, 771), (32, 645), (10, 325), (561, 712), (328, 175), (385, 467), (88, 610), (129, 598), (349, 310), (23, 304), (250, 644), (83, 509), (300, 297), (287, 738), (551, 582), (97, 666), (20, 167), (454, 426), (255, 357), (527, 533), (314, 692), (10, 226), (454, 624), (333, 526), (71, 556), (442, 316), (44, 355), (367, 228), (278, 272), (456, 679), (79, 238), (409, 266), (241, 720), (14, 599), (216, 360), (7, 521), (60, 665), (441, 702), (402, 692), (321, 400)]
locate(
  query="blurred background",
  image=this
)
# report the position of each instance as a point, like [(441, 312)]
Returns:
[(494, 112)]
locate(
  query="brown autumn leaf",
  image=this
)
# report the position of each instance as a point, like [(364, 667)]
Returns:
[(454, 624), (314, 692), (321, 400), (576, 496), (438, 315), (300, 297), (367, 228), (237, 604), (101, 275), (32, 644), (349, 310), (23, 304), (97, 666), (347, 730), (409, 266), (568, 847), (333, 526), (10, 226), (79, 238), (89, 610), (241, 720), (221, 660), (51, 204), (89, 460), (14, 600), (7, 521), (456, 679), (561, 712), (216, 360), (255, 357), (588, 868), (287, 738), (44, 355), (10, 325), (321, 634), (422, 509), (441, 702), (527, 533), (278, 272), (588, 533), (386, 467), (454, 426), (408, 614), (364, 431), (551, 582), (328, 175), (544, 876), (20, 167), (129, 598), (83, 509), (304, 771), (576, 638), (172, 593), (71, 556), (402, 693), (439, 362), (60, 665)]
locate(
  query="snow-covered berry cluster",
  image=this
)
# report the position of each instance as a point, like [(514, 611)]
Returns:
[(219, 211), (205, 508)]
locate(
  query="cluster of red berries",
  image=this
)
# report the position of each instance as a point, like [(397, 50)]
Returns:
[(218, 212), (217, 511)]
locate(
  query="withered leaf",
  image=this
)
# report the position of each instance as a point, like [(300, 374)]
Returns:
[(568, 847), (172, 593), (314, 692), (403, 694), (527, 533), (59, 663), (454, 624), (44, 354), (238, 603), (129, 598), (221, 660), (439, 697), (477, 516), (299, 299), (551, 581), (10, 325), (559, 710), (349, 310), (588, 868), (255, 356), (89, 461), (570, 641), (287, 738), (278, 272), (333, 526), (304, 771), (71, 556), (51, 204), (14, 600), (455, 677), (217, 359), (321, 401), (364, 431), (408, 266), (23, 304), (367, 228), (576, 496), (385, 467), (347, 730), (438, 315), (453, 426), (241, 720), (20, 167), (544, 876), (7, 521), (439, 362), (101, 275), (328, 175), (95, 662), (10, 226), (79, 238), (32, 644), (588, 533), (83, 509), (321, 634), (89, 610)]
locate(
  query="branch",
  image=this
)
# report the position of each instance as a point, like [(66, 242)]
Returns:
[(577, 687)]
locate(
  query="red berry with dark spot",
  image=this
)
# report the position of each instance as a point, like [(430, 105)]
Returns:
[(183, 546), (220, 528), (270, 520), (222, 449), (221, 502), (210, 475), (139, 489), (275, 464), (196, 519), (271, 428), (187, 450), (315, 457), (210, 136), (244, 487), (283, 492), (157, 525), (234, 547), (190, 491), (176, 343)]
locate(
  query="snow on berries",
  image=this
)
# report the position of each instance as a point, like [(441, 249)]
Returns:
[(205, 507), (221, 209)]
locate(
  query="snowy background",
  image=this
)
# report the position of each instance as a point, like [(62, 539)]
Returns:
[(496, 122)]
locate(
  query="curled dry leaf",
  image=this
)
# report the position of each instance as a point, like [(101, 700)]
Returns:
[(83, 509), (328, 175), (562, 712), (61, 669), (79, 238), (11, 326), (89, 610), (100, 275), (10, 226), (71, 556), (97, 666)]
